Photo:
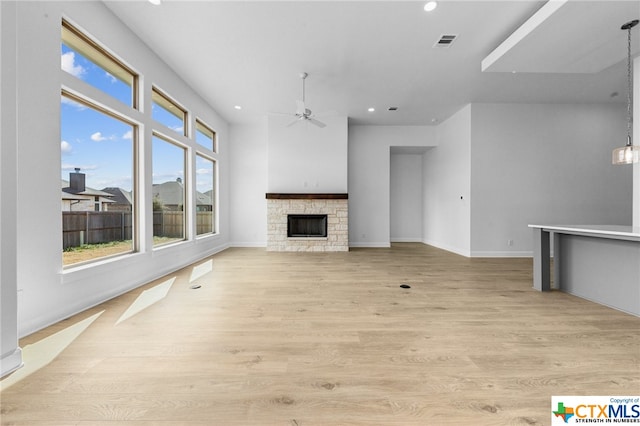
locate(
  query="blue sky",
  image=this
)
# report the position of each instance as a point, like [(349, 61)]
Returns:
[(102, 146)]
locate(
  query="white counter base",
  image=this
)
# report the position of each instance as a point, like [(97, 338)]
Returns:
[(597, 263)]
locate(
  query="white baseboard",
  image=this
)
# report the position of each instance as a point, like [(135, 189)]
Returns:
[(371, 245), (248, 244), (501, 254), (10, 362), (456, 250), (405, 240)]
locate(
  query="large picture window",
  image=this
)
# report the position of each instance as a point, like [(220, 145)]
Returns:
[(169, 191), (97, 170), (100, 157)]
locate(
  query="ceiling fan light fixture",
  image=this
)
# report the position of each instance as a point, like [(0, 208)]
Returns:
[(629, 153), (430, 6)]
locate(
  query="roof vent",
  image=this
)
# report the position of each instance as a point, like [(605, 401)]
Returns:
[(445, 40)]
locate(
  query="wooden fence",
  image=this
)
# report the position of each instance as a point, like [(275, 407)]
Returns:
[(79, 228)]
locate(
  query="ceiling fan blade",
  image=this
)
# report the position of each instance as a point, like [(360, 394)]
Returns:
[(300, 108), (316, 122), (294, 122)]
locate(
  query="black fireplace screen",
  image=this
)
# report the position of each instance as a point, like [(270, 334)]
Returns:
[(307, 225)]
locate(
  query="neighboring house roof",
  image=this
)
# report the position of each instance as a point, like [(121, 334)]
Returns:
[(202, 199), (87, 191), (119, 195), (68, 196), (172, 193)]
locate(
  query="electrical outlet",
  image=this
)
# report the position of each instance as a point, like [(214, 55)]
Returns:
[(509, 243)]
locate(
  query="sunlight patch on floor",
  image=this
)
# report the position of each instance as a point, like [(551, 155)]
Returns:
[(39, 354), (147, 298), (201, 269)]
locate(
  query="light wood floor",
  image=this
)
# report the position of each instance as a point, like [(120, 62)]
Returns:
[(331, 339)]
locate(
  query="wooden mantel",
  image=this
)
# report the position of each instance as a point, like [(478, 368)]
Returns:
[(306, 196)]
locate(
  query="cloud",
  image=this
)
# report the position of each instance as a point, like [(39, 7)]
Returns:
[(110, 77), (65, 147), (97, 137), (68, 63), (203, 171), (128, 135)]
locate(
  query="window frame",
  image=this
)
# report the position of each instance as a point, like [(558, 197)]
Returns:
[(187, 207), (214, 139), (169, 104), (104, 59), (135, 155), (214, 198)]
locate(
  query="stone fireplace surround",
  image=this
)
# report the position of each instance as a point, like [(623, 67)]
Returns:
[(335, 206)]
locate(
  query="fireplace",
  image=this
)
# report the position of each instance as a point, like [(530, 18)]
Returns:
[(306, 225), (307, 222)]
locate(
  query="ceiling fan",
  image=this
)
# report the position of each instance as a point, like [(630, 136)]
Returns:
[(302, 112)]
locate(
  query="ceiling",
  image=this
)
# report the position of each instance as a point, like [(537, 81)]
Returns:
[(380, 54)]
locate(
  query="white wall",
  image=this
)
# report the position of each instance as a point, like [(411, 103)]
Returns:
[(406, 197), (49, 292), (447, 189), (369, 178), (248, 185), (544, 164), (304, 158), (10, 353)]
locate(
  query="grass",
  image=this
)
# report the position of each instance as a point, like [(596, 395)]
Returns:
[(88, 252)]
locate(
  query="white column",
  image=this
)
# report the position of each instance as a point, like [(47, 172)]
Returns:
[(10, 352)]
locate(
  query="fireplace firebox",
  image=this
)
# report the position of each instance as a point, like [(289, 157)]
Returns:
[(306, 225)]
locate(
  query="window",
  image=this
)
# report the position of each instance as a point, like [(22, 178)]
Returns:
[(84, 59), (169, 194), (205, 195), (167, 112), (99, 145), (205, 136), (97, 169)]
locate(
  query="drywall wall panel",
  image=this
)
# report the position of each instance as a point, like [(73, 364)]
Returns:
[(544, 164), (406, 197), (306, 158), (447, 191), (248, 185), (369, 178)]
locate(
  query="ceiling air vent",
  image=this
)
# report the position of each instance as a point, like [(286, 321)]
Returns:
[(445, 40)]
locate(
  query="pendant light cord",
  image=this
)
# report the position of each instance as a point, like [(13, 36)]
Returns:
[(629, 87)]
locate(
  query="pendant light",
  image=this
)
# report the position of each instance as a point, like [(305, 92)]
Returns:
[(629, 153)]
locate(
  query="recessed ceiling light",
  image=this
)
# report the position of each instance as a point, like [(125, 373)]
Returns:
[(238, 107), (371, 109), (155, 2), (430, 5)]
